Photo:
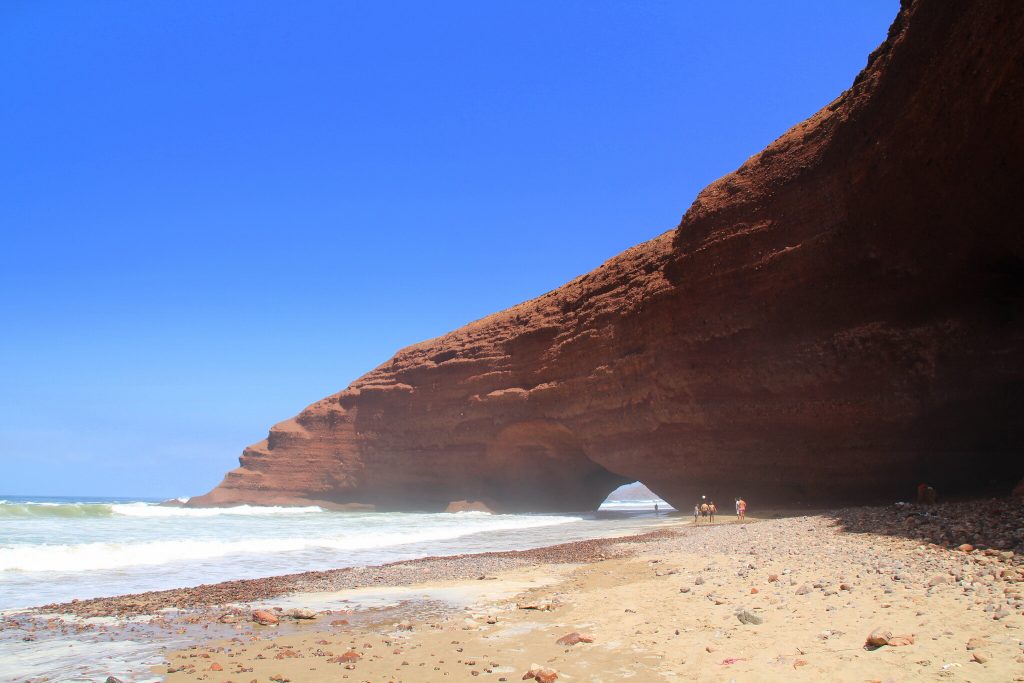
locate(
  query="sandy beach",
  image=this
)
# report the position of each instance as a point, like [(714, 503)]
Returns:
[(773, 599)]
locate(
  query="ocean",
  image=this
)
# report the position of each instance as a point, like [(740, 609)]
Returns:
[(59, 549)]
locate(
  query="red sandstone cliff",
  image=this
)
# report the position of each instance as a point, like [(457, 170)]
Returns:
[(839, 318)]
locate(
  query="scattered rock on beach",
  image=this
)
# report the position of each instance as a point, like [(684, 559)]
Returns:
[(265, 618), (747, 617), (541, 674), (346, 658), (301, 613), (975, 642), (573, 638), (541, 606), (880, 637)]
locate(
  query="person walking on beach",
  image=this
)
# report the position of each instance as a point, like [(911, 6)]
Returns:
[(655, 509), (737, 507), (741, 509), (696, 514), (703, 510), (711, 511)]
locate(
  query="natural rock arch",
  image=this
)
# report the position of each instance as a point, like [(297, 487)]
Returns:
[(531, 459), (839, 319)]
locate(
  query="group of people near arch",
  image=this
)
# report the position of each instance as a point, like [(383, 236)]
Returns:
[(706, 510)]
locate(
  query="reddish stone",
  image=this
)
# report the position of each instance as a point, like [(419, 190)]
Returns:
[(264, 617), (541, 674), (573, 638)]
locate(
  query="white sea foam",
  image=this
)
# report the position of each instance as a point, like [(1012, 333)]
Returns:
[(71, 510), (150, 510), (83, 557)]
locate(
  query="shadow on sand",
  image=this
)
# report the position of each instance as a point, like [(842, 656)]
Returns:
[(990, 523)]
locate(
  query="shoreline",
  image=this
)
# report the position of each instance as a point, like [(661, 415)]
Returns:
[(855, 519), (666, 600), (398, 573)]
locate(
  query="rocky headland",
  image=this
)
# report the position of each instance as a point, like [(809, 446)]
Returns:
[(837, 320)]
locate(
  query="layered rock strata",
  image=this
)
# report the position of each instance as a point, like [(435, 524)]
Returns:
[(838, 319)]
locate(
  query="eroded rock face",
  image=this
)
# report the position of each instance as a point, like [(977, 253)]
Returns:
[(839, 319)]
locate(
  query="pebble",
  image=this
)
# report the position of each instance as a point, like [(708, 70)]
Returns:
[(747, 617), (574, 638)]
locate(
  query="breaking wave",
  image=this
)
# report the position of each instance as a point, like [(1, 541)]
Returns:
[(149, 510), (110, 555), (10, 509)]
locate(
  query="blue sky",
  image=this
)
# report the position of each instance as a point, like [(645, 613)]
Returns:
[(213, 214)]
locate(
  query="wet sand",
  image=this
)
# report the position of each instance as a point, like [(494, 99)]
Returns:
[(402, 573)]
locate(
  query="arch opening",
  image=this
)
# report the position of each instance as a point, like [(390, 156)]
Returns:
[(539, 465), (635, 499)]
